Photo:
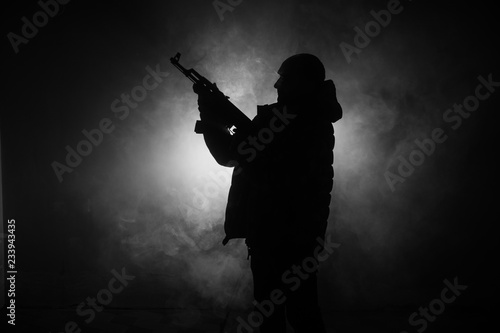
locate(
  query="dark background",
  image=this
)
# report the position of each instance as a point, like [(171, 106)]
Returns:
[(149, 198)]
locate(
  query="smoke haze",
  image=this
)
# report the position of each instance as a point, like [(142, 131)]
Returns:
[(151, 198)]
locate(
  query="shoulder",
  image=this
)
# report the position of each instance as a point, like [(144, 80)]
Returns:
[(266, 109)]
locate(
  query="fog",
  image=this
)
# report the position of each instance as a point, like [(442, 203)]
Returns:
[(150, 197)]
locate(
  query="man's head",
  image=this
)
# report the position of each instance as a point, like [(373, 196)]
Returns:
[(300, 76)]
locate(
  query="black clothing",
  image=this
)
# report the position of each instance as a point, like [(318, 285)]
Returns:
[(284, 192), (280, 195)]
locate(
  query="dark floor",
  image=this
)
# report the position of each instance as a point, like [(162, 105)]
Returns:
[(146, 306), (196, 320)]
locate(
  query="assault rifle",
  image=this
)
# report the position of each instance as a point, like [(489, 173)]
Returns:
[(229, 115)]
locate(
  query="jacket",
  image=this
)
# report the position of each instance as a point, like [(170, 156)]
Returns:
[(283, 173)]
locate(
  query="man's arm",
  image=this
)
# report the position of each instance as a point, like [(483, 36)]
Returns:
[(218, 140), (215, 132)]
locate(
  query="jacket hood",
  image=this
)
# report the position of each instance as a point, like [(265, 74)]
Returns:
[(327, 101)]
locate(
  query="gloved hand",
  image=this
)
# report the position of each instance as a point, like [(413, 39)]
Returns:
[(206, 100), (208, 103)]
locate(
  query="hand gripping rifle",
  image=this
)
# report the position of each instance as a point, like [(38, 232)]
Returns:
[(229, 114)]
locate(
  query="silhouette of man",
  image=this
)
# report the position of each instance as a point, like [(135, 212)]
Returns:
[(280, 191)]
